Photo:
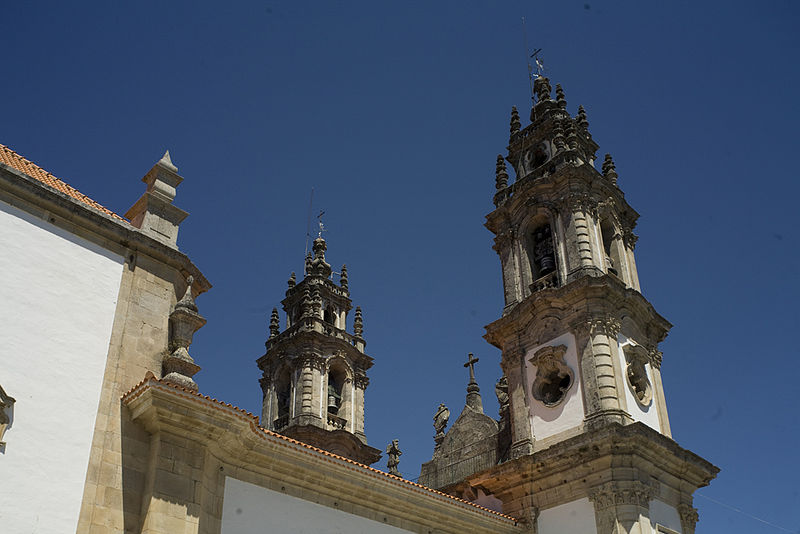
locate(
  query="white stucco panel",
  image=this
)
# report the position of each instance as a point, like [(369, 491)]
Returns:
[(248, 508), (645, 414), (546, 421), (59, 295), (664, 515), (576, 516)]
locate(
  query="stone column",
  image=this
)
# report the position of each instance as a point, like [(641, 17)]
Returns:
[(622, 507), (629, 239), (595, 337), (689, 517), (503, 245), (309, 386), (360, 383), (513, 365), (582, 223), (658, 391)]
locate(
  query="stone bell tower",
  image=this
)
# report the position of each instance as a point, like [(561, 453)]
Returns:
[(589, 447), (314, 373)]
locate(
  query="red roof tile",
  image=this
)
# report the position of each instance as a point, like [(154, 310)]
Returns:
[(15, 161)]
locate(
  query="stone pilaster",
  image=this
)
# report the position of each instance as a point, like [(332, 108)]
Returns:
[(596, 336), (689, 517), (513, 365), (621, 507)]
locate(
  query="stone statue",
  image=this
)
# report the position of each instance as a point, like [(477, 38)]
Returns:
[(501, 390), (394, 457), (440, 419)]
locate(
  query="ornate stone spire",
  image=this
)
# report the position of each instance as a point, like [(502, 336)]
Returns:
[(343, 279), (307, 303), (609, 169), (583, 122), (318, 266), (501, 175), (178, 367), (473, 391), (560, 98), (274, 324), (358, 323), (515, 123), (292, 281)]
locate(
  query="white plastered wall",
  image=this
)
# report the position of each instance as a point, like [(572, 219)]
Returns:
[(568, 414), (574, 516), (247, 508), (645, 414), (58, 295), (662, 514)]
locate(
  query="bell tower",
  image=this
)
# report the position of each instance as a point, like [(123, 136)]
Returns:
[(587, 444), (314, 373)]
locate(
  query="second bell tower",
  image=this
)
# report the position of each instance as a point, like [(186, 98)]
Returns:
[(314, 373)]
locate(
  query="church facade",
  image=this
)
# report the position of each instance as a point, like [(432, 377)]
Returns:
[(582, 442)]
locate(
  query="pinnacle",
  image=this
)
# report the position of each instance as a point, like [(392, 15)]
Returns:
[(166, 161)]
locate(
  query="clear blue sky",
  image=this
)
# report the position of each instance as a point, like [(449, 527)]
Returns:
[(395, 113)]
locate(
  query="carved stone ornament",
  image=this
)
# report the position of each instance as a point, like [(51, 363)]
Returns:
[(312, 361), (178, 367), (612, 494), (689, 517), (609, 326), (636, 377), (6, 413), (553, 376)]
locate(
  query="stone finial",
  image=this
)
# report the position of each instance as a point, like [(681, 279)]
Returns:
[(515, 123), (473, 391), (343, 278), (318, 266), (309, 261), (178, 366), (187, 301), (292, 280), (583, 122), (558, 137), (393, 452), (274, 323), (572, 134), (542, 88), (501, 174), (560, 98), (154, 212), (307, 304), (358, 323), (610, 170), (316, 299)]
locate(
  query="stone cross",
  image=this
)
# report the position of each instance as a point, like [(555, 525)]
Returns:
[(471, 361)]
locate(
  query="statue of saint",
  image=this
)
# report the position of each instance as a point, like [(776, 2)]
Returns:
[(440, 419), (394, 457), (501, 390)]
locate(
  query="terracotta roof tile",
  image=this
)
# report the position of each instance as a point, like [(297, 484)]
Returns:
[(150, 378), (15, 161)]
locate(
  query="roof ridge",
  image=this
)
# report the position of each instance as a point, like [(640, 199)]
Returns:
[(138, 389), (22, 164)]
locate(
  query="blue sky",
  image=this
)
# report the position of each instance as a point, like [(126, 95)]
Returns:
[(394, 114)]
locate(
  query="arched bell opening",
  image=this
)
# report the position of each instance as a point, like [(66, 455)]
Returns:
[(541, 252), (282, 398), (613, 249), (329, 315), (338, 395)]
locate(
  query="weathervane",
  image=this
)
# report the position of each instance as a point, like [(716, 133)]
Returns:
[(319, 222), (536, 60)]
